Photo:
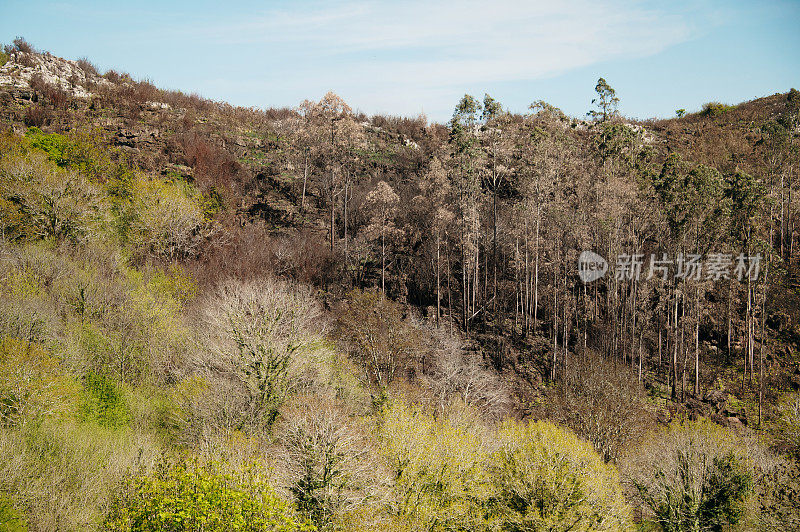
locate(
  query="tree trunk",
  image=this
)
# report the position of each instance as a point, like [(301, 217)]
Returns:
[(494, 251), (697, 348), (383, 261), (555, 322), (674, 362), (305, 180), (536, 273), (438, 280)]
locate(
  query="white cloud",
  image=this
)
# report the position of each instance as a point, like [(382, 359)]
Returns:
[(380, 54)]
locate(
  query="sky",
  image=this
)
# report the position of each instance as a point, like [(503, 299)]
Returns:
[(407, 57)]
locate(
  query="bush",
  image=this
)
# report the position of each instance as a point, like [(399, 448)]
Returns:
[(164, 219), (88, 68), (111, 351), (44, 201), (4, 57), (82, 151), (10, 519), (329, 461), (452, 473), (715, 109), (31, 385), (452, 372), (103, 402), (200, 497), (36, 116), (693, 476), (438, 466), (63, 473), (376, 336), (259, 337), (602, 402), (23, 46), (545, 478), (778, 492)]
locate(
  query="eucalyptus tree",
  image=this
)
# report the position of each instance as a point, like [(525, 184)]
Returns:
[(606, 102), (335, 123), (466, 152), (496, 144)]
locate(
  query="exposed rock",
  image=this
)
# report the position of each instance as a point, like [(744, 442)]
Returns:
[(716, 398), (62, 73), (735, 423)]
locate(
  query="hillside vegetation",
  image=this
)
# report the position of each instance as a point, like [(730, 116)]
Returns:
[(217, 318)]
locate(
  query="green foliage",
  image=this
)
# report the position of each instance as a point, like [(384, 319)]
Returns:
[(619, 142), (200, 497), (41, 200), (747, 195), (546, 478), (680, 113), (10, 519), (693, 477), (606, 102), (162, 219), (715, 109), (109, 351), (103, 402), (212, 203), (175, 283), (63, 472), (31, 383), (465, 117), (4, 57), (453, 474), (693, 199), (438, 469), (80, 151), (54, 145)]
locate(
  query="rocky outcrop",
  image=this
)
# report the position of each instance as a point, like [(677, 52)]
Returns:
[(18, 73)]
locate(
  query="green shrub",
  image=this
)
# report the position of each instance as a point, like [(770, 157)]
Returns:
[(63, 473), (31, 383), (546, 478), (116, 350), (452, 473), (693, 476), (45, 201), (10, 519), (715, 109), (438, 466), (200, 497), (54, 145), (103, 402), (161, 219), (81, 151), (4, 57)]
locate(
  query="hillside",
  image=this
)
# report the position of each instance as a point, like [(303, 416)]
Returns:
[(323, 320)]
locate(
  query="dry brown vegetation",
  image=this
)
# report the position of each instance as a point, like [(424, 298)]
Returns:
[(378, 308)]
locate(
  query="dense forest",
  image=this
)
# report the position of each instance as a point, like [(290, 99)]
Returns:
[(226, 318)]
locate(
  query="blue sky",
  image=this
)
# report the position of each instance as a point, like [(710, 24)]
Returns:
[(405, 57)]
